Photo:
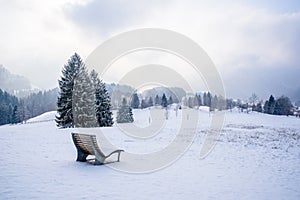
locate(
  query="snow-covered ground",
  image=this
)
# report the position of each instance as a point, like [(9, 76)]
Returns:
[(257, 156)]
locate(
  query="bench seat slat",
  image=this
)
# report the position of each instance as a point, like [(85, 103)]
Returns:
[(87, 145)]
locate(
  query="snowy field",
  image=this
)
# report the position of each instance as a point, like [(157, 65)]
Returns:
[(257, 156)]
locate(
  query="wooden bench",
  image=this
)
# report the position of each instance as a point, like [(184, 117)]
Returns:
[(87, 145)]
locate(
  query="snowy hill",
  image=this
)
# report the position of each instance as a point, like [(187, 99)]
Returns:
[(48, 116), (257, 156)]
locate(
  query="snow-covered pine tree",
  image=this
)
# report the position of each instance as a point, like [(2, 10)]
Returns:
[(64, 117), (124, 114), (102, 101), (84, 100), (135, 101)]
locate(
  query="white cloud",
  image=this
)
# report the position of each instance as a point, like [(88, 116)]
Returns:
[(36, 39), (234, 35)]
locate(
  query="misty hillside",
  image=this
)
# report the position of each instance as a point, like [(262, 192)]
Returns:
[(117, 92), (12, 82), (175, 92)]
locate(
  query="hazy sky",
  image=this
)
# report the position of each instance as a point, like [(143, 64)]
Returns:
[(254, 44)]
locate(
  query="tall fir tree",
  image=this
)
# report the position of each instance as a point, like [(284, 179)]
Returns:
[(164, 101), (198, 100), (64, 117), (124, 114), (83, 97), (266, 107), (205, 99), (102, 102), (271, 105)]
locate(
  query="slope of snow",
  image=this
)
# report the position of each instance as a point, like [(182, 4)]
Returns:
[(257, 156), (48, 116)]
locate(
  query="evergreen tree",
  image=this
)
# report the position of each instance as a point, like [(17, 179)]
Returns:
[(205, 99), (164, 101), (266, 107), (208, 98), (199, 99), (124, 114), (157, 100), (271, 105), (64, 117), (15, 117), (135, 102), (84, 114), (150, 102), (102, 102), (283, 106), (170, 101), (22, 110), (144, 104), (8, 108), (214, 103), (229, 104)]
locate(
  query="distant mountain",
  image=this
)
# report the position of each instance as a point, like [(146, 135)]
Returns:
[(14, 84), (10, 82), (118, 92)]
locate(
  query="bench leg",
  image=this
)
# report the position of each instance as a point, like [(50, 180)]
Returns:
[(81, 157), (119, 156), (97, 162)]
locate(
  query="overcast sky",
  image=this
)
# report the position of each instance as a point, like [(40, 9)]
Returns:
[(254, 44)]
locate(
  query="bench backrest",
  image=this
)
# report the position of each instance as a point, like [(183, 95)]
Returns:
[(85, 142)]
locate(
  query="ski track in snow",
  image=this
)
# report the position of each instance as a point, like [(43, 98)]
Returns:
[(257, 156)]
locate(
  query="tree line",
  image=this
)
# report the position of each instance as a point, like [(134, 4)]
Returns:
[(85, 94), (15, 110), (146, 102), (280, 106)]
